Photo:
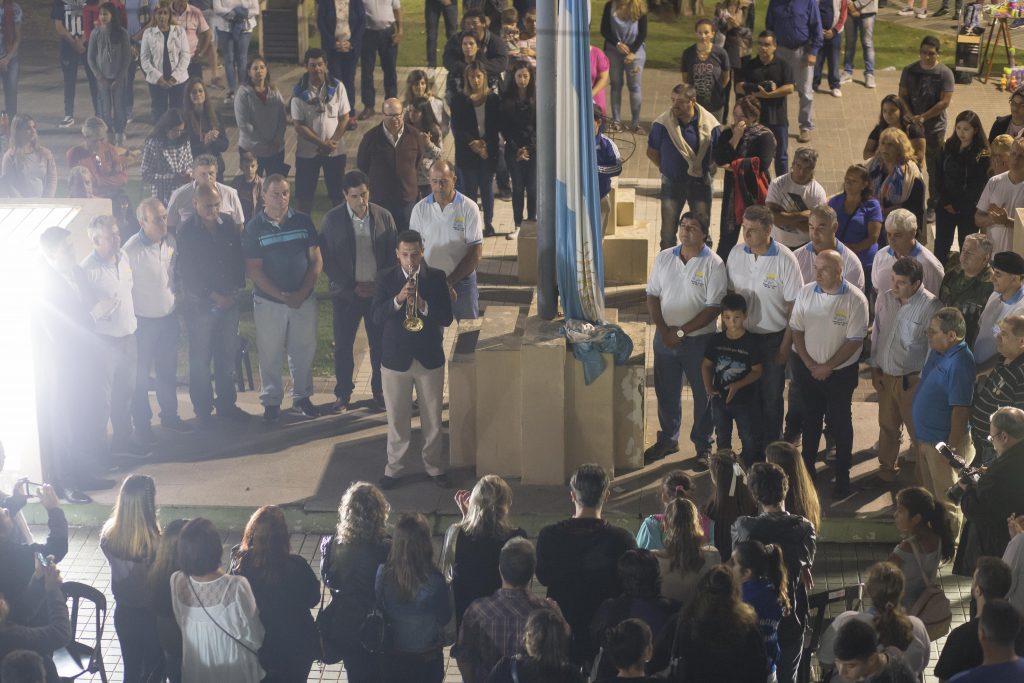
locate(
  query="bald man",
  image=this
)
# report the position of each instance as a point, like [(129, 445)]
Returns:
[(829, 323), (389, 155)]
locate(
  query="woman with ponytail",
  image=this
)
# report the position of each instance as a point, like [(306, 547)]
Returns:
[(675, 484), (929, 535), (765, 587), (686, 557), (902, 636), (802, 498), (730, 501), (716, 637)]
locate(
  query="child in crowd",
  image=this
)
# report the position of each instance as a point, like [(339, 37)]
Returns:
[(730, 500), (248, 184), (929, 540), (629, 647), (765, 588), (731, 368), (609, 165), (675, 484)]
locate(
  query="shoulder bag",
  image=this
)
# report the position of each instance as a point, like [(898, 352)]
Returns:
[(375, 632), (217, 623), (932, 606), (450, 632)]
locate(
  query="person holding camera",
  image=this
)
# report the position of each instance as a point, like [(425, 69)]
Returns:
[(52, 630), (987, 502), (941, 406)]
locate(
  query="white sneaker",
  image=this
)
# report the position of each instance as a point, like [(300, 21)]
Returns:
[(67, 122), (845, 77), (923, 14), (869, 80), (906, 12), (836, 92)]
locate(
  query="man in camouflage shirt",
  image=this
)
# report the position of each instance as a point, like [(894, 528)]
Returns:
[(968, 284)]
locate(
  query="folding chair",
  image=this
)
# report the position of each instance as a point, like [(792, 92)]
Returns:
[(818, 604), (79, 658)]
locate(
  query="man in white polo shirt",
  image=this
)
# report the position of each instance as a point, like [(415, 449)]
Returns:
[(1007, 299), (1002, 195), (767, 274), (150, 253), (452, 236), (684, 296), (899, 346), (830, 321), (901, 233), (792, 195), (204, 170), (110, 286)]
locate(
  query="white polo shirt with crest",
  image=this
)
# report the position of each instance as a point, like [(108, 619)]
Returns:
[(769, 283)]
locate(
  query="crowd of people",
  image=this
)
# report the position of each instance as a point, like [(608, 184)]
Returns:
[(707, 590)]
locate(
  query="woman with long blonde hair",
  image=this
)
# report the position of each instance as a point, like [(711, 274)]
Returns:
[(348, 566), (802, 498), (414, 598), (286, 589), (896, 179), (476, 121), (686, 557), (129, 540), (469, 560), (28, 168)]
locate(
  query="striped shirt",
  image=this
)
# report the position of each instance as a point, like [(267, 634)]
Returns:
[(899, 340), (282, 247), (1004, 386)]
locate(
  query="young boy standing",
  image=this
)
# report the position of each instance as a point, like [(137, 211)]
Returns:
[(731, 369)]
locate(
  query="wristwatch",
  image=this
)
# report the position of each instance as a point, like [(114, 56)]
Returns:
[(680, 333)]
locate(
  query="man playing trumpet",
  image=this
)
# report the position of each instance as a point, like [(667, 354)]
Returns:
[(412, 306)]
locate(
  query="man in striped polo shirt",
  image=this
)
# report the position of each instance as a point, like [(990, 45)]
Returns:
[(1004, 386), (899, 345)]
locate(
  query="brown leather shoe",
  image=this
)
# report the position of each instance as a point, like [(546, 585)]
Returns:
[(366, 114)]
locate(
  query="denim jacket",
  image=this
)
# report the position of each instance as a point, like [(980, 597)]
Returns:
[(415, 625)]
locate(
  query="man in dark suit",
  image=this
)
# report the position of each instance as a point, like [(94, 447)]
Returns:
[(412, 358), (357, 239)]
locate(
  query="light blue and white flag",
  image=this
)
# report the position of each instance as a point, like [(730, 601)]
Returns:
[(577, 199)]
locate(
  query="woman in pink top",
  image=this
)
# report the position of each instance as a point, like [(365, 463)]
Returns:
[(598, 75)]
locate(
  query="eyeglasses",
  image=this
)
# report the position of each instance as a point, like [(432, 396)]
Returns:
[(392, 116), (992, 437)]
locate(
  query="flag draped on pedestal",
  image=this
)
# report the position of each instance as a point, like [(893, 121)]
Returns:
[(577, 199)]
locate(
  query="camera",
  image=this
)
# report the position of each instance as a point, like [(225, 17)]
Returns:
[(965, 472)]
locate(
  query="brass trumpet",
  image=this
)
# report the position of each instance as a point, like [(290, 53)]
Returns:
[(413, 322)]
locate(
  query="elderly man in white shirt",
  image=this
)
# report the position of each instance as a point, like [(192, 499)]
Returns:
[(899, 346), (829, 322), (204, 170), (684, 297), (453, 237), (1007, 299), (110, 285), (901, 233), (150, 254), (767, 275)]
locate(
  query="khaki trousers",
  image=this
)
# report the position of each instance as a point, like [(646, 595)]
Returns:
[(397, 388), (937, 476), (894, 413)]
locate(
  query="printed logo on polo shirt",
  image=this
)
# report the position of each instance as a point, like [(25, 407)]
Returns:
[(771, 281), (697, 278), (841, 317), (459, 224)]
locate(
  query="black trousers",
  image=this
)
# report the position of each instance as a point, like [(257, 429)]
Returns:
[(69, 61), (141, 654), (307, 175), (830, 399), (961, 222), (342, 66), (422, 668), (347, 315)]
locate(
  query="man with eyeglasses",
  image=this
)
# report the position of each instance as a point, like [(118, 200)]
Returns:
[(389, 155), (1004, 386), (968, 284), (1013, 123), (996, 496)]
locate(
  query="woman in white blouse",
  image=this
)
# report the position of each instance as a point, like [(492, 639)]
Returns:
[(234, 21), (164, 57), (216, 612)]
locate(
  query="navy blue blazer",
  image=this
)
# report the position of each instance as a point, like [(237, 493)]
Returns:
[(399, 347), (327, 19)]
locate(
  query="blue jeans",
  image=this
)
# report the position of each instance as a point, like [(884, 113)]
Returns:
[(865, 26), (802, 75), (829, 52), (467, 304), (747, 417), (162, 99), (157, 342), (675, 194), (432, 13), (111, 96), (212, 338), (670, 366), (342, 65), (378, 43), (9, 78), (234, 51), (479, 183), (781, 134), (633, 72)]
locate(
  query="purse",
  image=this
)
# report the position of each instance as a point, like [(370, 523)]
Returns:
[(375, 632), (932, 606)]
